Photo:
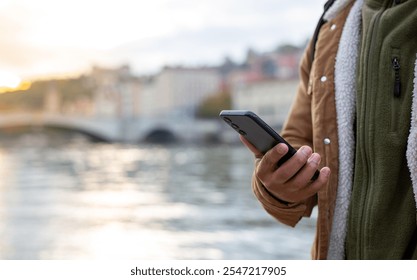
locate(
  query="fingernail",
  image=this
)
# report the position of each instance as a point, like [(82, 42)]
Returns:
[(325, 172), (314, 158), (306, 151)]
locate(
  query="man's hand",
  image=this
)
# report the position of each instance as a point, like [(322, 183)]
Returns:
[(291, 181)]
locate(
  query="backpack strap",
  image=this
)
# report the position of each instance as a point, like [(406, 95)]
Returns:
[(322, 21)]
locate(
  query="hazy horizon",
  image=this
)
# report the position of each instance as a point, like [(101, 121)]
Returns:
[(52, 38)]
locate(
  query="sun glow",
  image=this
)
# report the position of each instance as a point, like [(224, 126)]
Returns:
[(10, 82)]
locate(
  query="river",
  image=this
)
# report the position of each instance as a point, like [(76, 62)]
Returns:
[(67, 198)]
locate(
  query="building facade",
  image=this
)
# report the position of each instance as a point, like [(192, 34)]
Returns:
[(270, 99), (178, 91), (117, 93)]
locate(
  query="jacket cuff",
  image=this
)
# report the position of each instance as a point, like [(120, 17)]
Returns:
[(285, 212)]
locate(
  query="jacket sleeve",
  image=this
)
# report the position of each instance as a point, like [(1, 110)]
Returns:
[(297, 130)]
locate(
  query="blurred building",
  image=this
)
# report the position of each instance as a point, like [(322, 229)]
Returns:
[(270, 99), (266, 83), (282, 64), (178, 91), (52, 100), (116, 92)]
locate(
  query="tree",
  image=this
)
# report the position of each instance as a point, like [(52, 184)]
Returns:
[(32, 99), (211, 107)]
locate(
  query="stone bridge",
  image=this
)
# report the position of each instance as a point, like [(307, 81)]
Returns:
[(119, 130)]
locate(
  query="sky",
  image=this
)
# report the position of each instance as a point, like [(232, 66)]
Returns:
[(50, 38)]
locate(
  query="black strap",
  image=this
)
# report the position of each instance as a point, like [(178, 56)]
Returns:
[(328, 4)]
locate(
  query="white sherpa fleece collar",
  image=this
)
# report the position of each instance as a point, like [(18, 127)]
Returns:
[(412, 137), (335, 9), (345, 98)]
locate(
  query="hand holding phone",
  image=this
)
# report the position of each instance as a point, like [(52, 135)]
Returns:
[(288, 174), (256, 131)]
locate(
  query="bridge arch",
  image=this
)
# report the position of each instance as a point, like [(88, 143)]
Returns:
[(160, 130), (93, 136), (160, 135), (13, 128)]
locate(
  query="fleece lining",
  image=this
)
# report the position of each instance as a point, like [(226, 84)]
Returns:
[(345, 97), (334, 10), (412, 138)]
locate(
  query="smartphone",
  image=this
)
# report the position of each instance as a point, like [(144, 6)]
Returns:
[(257, 132)]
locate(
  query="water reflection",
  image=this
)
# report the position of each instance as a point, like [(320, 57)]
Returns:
[(66, 198)]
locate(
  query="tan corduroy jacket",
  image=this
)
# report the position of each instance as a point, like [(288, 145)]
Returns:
[(312, 121)]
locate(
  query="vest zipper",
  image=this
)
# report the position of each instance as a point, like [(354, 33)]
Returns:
[(397, 80), (366, 136)]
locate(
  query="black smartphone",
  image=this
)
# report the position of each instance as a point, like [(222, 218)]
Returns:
[(257, 132)]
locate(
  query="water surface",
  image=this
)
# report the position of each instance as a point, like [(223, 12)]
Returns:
[(67, 198)]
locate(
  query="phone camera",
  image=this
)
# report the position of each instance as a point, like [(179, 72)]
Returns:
[(241, 132), (227, 120)]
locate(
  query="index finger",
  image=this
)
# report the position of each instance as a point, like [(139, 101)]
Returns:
[(251, 147)]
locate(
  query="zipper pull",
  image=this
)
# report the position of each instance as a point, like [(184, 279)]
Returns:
[(397, 81)]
